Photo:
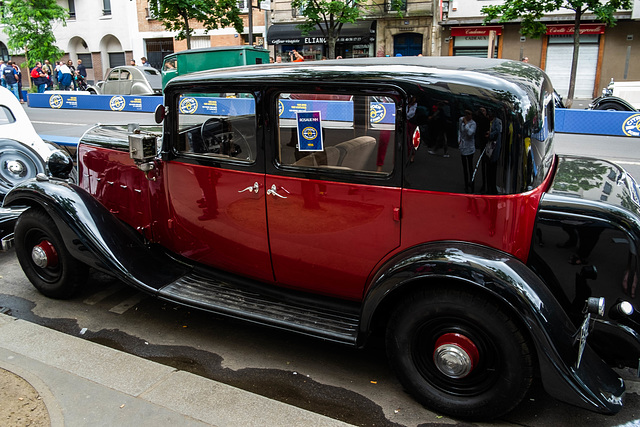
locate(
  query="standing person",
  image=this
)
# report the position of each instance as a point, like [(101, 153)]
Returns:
[(19, 77), (295, 56), (39, 77), (82, 70), (2, 67), (64, 77), (144, 62), (467, 145), (48, 70), (10, 76), (72, 69), (132, 62)]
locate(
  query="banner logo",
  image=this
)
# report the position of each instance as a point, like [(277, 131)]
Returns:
[(117, 103), (631, 126), (56, 101), (188, 105), (377, 113)]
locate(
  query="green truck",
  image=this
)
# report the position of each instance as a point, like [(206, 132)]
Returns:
[(189, 61)]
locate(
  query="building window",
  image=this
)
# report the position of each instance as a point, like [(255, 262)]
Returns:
[(243, 5), (72, 9), (87, 61), (106, 7), (116, 59)]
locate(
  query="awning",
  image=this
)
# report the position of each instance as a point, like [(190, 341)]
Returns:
[(359, 32)]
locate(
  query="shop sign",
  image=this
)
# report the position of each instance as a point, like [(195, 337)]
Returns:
[(475, 31), (561, 30)]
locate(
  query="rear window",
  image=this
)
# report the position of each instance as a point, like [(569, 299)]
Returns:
[(348, 133)]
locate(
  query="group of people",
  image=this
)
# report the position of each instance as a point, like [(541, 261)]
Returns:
[(12, 78), (64, 75)]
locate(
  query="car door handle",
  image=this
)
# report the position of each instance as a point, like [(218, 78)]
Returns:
[(274, 192), (251, 189)]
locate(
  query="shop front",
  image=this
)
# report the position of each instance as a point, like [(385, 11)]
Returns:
[(356, 40), (480, 41)]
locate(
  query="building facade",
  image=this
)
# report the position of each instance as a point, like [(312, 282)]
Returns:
[(604, 53), (380, 32)]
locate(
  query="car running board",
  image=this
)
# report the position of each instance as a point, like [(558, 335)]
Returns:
[(250, 304)]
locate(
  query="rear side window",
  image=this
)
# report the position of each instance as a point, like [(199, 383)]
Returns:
[(341, 132), (217, 125)]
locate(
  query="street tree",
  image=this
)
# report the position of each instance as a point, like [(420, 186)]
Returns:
[(530, 12), (29, 26), (329, 17), (180, 15)]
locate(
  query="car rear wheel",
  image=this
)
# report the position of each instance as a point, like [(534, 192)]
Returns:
[(610, 106), (459, 353), (44, 258)]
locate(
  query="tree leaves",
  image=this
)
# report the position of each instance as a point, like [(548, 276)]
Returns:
[(28, 23)]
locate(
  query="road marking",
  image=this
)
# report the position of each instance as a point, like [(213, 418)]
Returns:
[(128, 303), (97, 297), (60, 123)]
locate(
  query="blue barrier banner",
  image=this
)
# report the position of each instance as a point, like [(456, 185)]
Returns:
[(598, 122), (339, 111), (85, 101), (217, 106)]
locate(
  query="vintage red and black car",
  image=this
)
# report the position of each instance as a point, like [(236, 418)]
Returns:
[(333, 199)]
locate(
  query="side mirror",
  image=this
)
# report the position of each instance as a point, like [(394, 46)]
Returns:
[(160, 113)]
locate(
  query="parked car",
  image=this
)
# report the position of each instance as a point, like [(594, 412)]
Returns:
[(23, 154), (618, 96), (192, 60), (355, 213), (129, 80)]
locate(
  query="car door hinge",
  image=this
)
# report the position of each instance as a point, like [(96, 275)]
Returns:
[(397, 214)]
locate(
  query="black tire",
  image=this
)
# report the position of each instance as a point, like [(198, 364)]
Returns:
[(610, 106), (503, 366), (63, 274)]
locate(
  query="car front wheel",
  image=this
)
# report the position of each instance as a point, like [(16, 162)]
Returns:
[(44, 258), (459, 353)]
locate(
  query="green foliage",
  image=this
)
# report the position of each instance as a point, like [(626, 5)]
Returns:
[(176, 14), (328, 16), (28, 23), (530, 12)]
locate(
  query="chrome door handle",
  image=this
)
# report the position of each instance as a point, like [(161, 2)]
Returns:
[(251, 189), (273, 192)]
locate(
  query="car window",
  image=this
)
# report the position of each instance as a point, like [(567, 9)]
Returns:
[(114, 75), (125, 75), (217, 125), (6, 116), (170, 64), (345, 133)]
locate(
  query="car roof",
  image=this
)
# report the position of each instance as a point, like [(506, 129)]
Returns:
[(487, 73)]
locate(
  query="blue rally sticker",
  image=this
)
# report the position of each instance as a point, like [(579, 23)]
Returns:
[(309, 131), (631, 126)]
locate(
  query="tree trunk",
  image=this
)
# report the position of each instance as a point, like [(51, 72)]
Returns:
[(331, 42), (574, 61), (187, 29)]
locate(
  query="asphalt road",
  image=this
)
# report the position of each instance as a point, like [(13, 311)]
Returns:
[(355, 386)]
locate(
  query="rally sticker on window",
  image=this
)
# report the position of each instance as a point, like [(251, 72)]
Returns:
[(309, 131)]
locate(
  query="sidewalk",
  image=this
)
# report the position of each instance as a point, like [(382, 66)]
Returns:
[(83, 383)]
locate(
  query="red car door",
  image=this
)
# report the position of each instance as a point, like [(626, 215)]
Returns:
[(215, 186), (333, 212)]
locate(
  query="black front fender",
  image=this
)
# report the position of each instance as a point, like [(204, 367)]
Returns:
[(594, 385), (96, 237), (624, 105)]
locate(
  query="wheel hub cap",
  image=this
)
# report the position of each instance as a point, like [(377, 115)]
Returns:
[(16, 167), (455, 355), (44, 255)]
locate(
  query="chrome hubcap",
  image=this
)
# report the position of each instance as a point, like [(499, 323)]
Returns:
[(455, 355), (16, 167), (44, 255)]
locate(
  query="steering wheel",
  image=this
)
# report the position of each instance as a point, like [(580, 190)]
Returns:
[(220, 137)]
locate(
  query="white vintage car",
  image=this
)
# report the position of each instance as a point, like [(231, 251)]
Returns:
[(618, 96), (23, 154)]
